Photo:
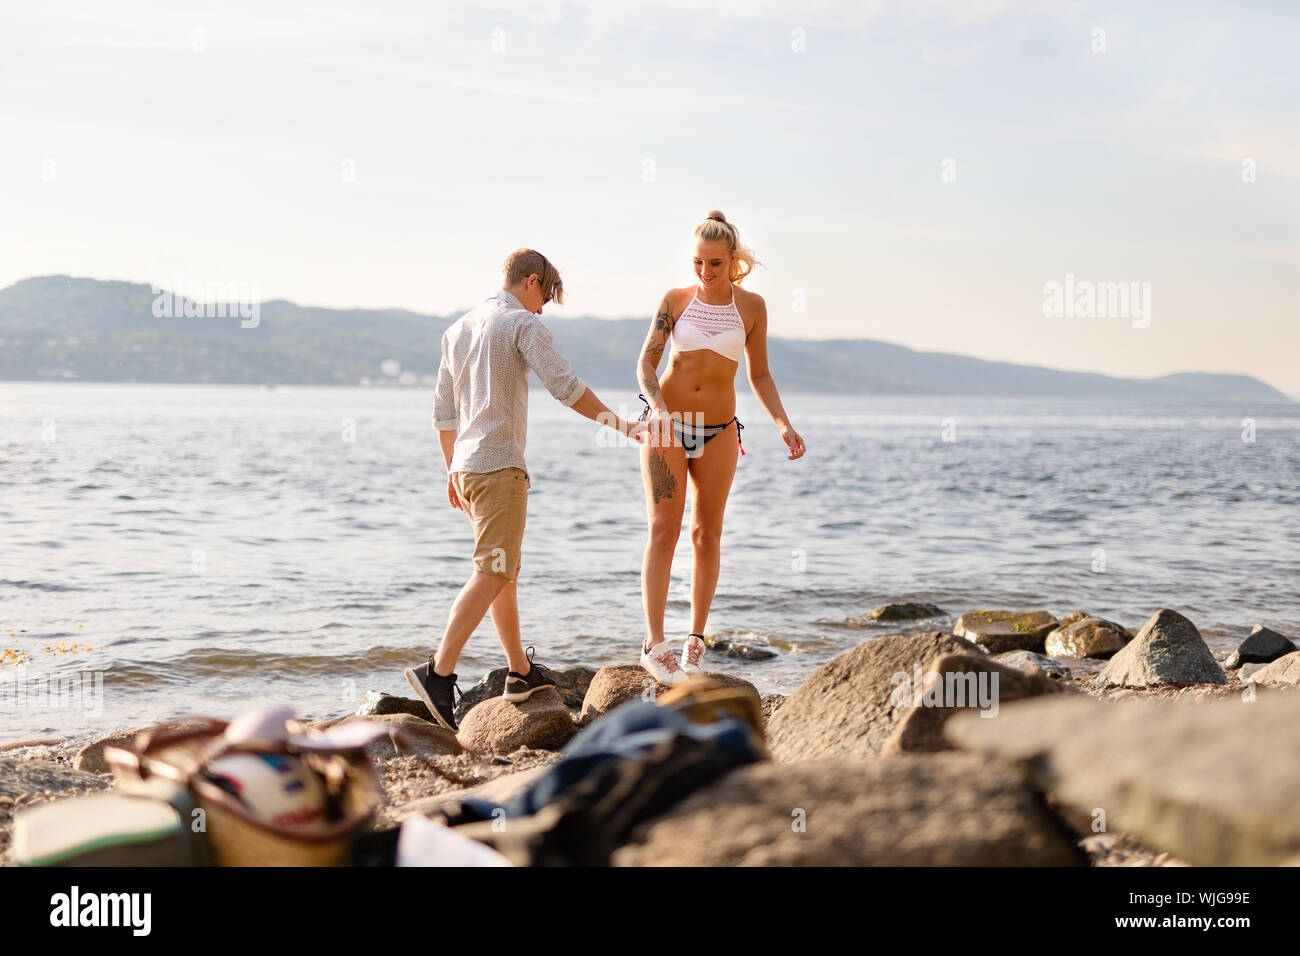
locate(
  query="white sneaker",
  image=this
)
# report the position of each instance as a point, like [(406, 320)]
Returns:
[(693, 655), (661, 663)]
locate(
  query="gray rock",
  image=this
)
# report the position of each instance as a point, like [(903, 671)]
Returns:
[(1215, 784), (950, 809), (1248, 671), (998, 631), (1081, 635), (744, 652), (905, 612), (1262, 647), (845, 709), (952, 683), (1030, 663), (1284, 671), (378, 704), (1168, 650), (572, 684)]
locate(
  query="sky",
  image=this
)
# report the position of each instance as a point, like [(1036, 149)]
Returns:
[(918, 173)]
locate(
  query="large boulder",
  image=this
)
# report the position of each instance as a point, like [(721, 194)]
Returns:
[(998, 631), (949, 809), (623, 682), (1284, 671), (955, 682), (499, 726), (1262, 647), (1215, 784), (571, 684), (1168, 650), (1081, 635), (845, 709)]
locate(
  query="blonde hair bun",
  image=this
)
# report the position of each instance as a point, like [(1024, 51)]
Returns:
[(715, 228)]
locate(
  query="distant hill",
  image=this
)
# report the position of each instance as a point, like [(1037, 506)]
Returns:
[(64, 328)]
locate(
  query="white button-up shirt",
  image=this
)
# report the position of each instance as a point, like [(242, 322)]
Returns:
[(482, 390)]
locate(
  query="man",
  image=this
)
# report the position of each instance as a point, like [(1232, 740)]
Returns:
[(481, 414)]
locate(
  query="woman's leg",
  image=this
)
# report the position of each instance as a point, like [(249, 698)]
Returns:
[(663, 472), (711, 473)]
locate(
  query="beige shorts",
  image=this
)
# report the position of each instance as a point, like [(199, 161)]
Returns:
[(495, 504)]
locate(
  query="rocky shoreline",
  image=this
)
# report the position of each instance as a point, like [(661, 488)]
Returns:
[(1016, 739)]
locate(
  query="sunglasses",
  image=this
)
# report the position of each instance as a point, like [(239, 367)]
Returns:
[(546, 297)]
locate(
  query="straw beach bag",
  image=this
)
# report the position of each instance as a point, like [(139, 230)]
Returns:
[(237, 837)]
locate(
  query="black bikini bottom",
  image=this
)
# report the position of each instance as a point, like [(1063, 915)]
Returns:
[(693, 437)]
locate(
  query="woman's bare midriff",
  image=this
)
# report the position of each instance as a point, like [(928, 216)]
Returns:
[(701, 386)]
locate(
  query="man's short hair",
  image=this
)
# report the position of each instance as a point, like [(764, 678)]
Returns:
[(522, 263)]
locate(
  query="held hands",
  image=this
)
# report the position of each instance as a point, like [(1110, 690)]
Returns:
[(659, 428), (635, 430)]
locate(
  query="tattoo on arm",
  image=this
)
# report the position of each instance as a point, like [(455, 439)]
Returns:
[(653, 352)]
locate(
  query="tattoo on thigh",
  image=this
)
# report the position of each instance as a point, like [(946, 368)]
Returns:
[(662, 481)]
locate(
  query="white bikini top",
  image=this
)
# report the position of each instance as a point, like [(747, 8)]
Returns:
[(718, 328)]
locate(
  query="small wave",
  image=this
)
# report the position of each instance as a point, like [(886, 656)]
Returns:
[(38, 585), (220, 662)]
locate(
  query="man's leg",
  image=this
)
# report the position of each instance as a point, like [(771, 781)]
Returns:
[(475, 598), (498, 504), (505, 618)]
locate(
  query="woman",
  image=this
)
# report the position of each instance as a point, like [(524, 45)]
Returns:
[(693, 429)]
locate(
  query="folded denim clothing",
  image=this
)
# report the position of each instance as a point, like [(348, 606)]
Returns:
[(698, 754)]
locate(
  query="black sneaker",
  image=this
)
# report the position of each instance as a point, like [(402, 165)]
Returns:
[(522, 686), (436, 691)]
